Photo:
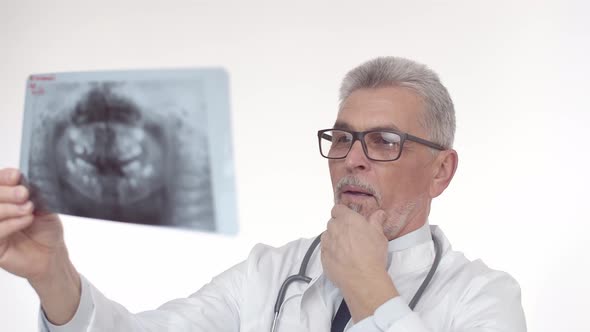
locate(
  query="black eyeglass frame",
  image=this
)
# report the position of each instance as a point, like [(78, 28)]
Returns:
[(360, 136)]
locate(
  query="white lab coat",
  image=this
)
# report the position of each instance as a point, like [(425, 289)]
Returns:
[(463, 296)]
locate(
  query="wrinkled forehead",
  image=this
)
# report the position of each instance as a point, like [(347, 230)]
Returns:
[(382, 108)]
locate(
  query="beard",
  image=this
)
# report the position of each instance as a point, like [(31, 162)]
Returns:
[(398, 216)]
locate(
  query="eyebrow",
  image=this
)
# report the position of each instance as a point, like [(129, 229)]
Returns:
[(345, 126)]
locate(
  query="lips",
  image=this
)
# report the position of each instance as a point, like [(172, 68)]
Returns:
[(356, 191)]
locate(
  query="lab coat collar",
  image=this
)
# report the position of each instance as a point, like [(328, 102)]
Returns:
[(411, 239)]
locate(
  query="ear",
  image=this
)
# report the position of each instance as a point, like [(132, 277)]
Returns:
[(444, 168)]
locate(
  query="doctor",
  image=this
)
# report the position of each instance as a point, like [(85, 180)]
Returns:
[(380, 265)]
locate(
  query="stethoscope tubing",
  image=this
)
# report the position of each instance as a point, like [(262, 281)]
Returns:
[(297, 277)]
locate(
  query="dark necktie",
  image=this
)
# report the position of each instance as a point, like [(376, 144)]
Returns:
[(341, 319)]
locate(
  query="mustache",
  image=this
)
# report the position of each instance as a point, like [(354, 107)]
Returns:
[(354, 181)]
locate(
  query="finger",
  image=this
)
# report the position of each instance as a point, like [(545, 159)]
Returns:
[(330, 225), (333, 211), (326, 240), (9, 177), (323, 257), (15, 210), (340, 210), (377, 218), (13, 194), (11, 226), (323, 237)]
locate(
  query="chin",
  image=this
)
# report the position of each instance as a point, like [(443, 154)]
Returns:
[(361, 208)]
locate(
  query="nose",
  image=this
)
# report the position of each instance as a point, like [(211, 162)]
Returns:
[(356, 158)]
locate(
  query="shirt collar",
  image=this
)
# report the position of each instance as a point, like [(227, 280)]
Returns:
[(411, 239)]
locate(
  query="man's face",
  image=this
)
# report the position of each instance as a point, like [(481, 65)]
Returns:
[(401, 187)]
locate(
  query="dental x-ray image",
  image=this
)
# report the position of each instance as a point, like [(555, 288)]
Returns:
[(129, 146)]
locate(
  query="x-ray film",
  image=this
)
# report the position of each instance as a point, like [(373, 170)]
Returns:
[(145, 146)]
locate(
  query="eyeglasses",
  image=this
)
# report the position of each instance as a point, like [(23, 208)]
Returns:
[(378, 145)]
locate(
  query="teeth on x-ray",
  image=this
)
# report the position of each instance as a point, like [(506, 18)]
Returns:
[(133, 151)]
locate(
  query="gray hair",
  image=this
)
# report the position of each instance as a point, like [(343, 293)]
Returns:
[(439, 118)]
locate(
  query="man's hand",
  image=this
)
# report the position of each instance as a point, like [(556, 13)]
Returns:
[(354, 257), (32, 246)]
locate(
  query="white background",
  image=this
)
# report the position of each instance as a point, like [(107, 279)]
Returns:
[(517, 70)]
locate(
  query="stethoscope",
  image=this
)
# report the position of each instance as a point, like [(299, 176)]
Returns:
[(302, 277)]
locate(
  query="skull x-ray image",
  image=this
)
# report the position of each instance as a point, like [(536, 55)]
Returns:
[(124, 150)]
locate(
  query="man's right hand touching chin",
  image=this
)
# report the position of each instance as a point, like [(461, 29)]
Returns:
[(32, 246)]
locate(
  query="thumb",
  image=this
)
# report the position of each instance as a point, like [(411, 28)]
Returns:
[(377, 218)]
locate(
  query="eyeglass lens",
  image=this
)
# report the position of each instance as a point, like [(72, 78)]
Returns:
[(381, 145)]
